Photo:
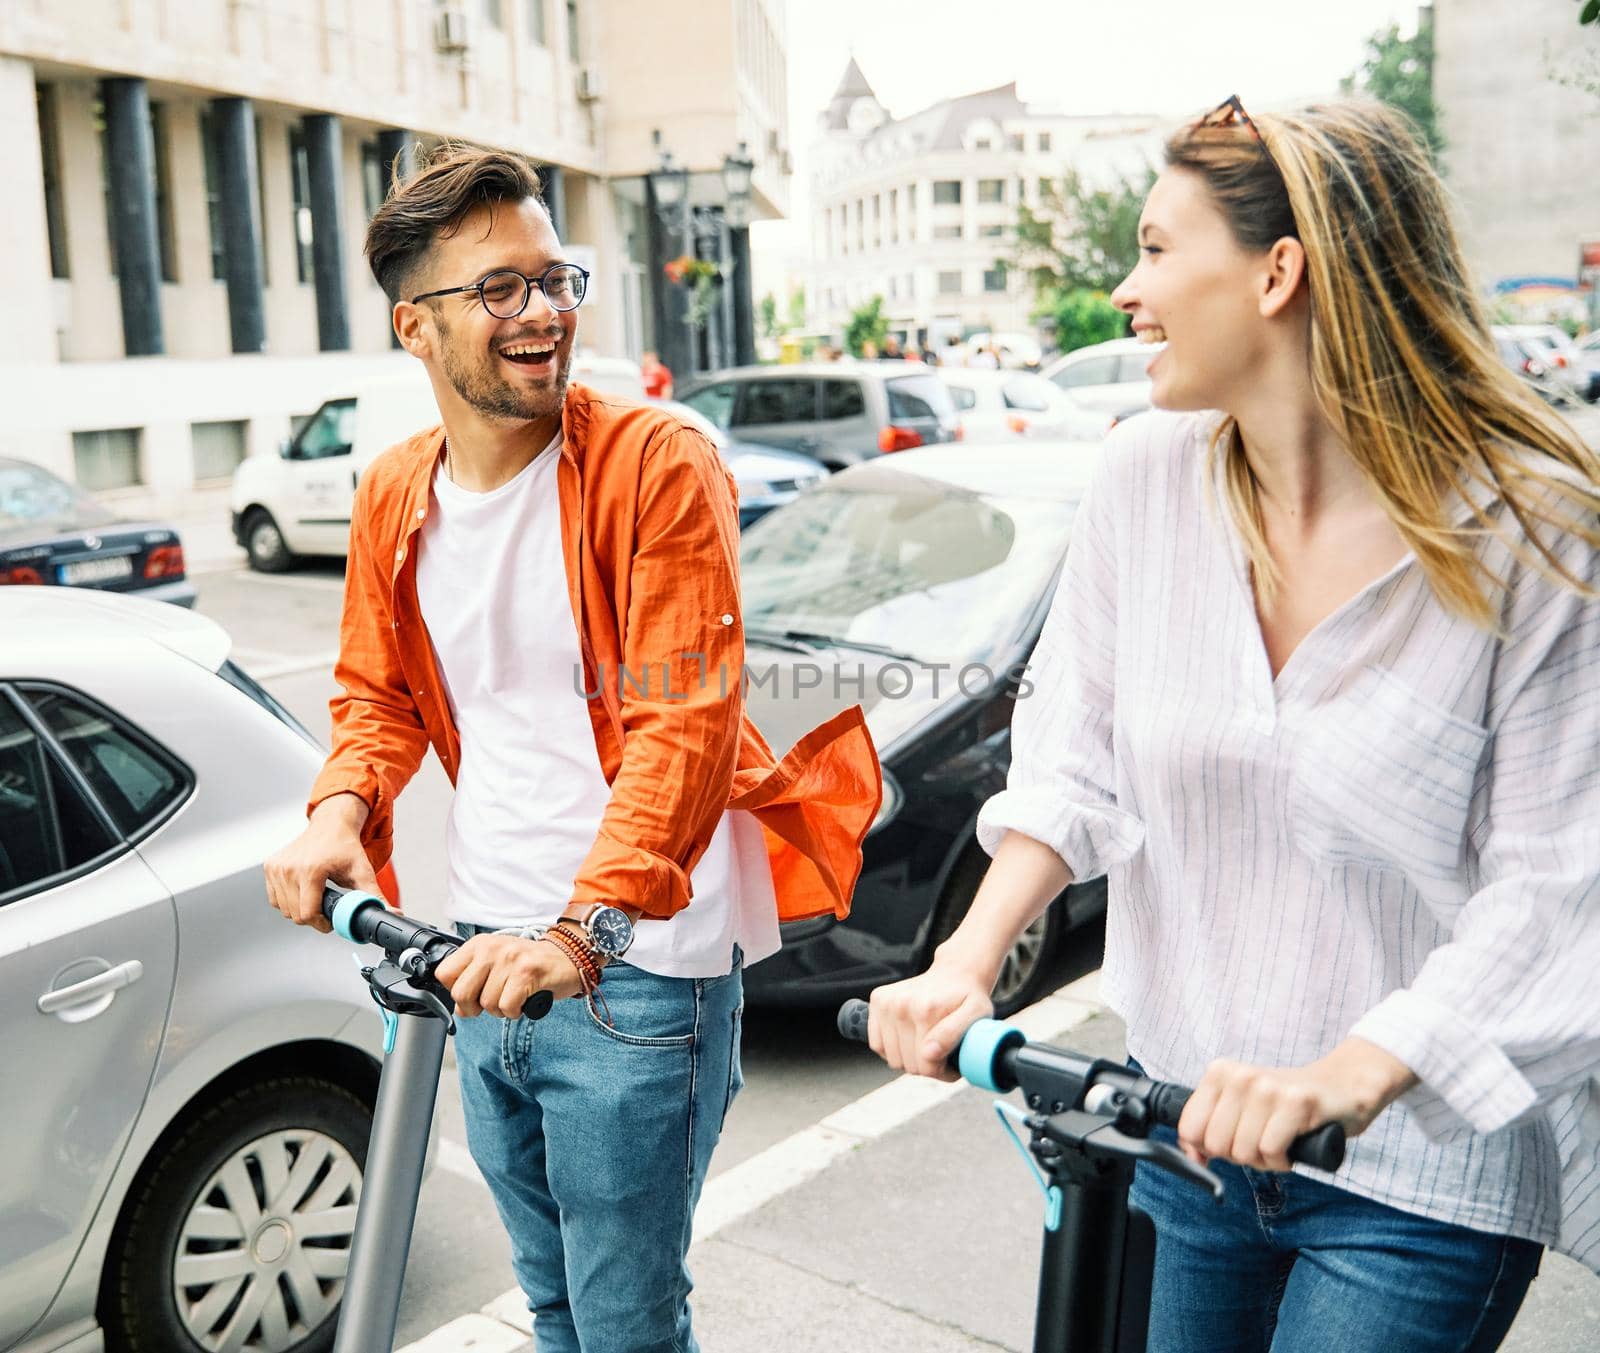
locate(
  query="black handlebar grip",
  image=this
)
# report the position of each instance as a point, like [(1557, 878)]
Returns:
[(331, 893), (1322, 1148)]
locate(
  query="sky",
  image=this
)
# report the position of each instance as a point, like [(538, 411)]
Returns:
[(1076, 56)]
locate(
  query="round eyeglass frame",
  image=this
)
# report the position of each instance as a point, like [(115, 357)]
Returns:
[(528, 284)]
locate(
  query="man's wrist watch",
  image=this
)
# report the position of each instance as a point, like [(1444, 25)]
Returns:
[(607, 930)]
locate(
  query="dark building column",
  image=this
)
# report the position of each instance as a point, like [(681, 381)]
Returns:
[(132, 177), (554, 184), (234, 124), (744, 311), (398, 150), (325, 163)]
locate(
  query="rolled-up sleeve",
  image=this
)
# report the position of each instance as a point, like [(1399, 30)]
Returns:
[(1505, 1016), (1061, 789)]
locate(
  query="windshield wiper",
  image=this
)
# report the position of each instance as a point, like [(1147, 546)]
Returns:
[(811, 640)]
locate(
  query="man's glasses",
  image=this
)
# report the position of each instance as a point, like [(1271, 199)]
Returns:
[(505, 294), (1230, 113)]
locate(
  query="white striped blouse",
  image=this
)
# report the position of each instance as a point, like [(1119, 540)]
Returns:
[(1398, 837)]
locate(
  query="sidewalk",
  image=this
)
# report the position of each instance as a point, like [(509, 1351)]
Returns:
[(926, 1240)]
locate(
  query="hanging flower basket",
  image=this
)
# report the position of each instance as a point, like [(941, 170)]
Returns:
[(703, 277)]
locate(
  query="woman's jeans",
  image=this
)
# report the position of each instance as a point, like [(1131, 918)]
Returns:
[(1289, 1264), (595, 1143)]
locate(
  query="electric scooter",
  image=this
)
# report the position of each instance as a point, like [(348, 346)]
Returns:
[(1088, 1123), (417, 1015)]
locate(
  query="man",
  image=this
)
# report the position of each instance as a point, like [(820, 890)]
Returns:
[(546, 590)]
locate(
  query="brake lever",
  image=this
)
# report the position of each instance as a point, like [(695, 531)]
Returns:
[(1070, 1131)]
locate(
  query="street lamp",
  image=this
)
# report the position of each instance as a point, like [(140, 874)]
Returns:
[(737, 171), (670, 183)]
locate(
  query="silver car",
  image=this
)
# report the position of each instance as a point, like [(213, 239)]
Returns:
[(188, 1079)]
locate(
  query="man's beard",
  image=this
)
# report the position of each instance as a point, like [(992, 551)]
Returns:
[(488, 391)]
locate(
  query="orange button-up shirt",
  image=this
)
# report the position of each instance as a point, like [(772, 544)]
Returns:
[(650, 539)]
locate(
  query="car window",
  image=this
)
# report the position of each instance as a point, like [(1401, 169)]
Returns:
[(1135, 366), (241, 680), (30, 496), (1090, 371), (843, 399), (714, 403), (778, 401), (963, 397), (921, 396), (132, 778), (1022, 392), (330, 432), (47, 828)]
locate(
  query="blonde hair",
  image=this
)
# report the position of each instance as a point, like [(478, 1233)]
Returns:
[(1402, 361)]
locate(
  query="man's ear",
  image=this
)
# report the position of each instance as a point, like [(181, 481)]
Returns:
[(412, 328), (1284, 276)]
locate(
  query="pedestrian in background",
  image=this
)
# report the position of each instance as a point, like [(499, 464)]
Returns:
[(1320, 692), (657, 378)]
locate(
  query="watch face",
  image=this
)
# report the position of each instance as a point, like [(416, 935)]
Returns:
[(611, 930)]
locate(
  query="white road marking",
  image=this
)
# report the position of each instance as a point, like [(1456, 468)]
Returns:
[(456, 1159), (735, 1194)]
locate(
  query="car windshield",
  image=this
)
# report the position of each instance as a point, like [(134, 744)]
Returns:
[(31, 497), (915, 565)]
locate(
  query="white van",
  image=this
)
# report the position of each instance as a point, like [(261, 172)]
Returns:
[(298, 502)]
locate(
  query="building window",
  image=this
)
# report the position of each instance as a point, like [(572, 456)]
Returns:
[(218, 449), (1018, 142), (950, 283), (492, 14), (107, 459), (300, 178), (50, 153), (991, 232), (1044, 143), (947, 192), (166, 239), (213, 171), (981, 143), (947, 232), (994, 279), (536, 28), (1046, 187), (574, 47), (991, 190), (261, 202), (911, 196)]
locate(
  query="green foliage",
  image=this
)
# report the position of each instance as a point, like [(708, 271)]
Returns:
[(1082, 317), (868, 324), (767, 314), (1082, 238), (1590, 13), (797, 308), (1400, 72)]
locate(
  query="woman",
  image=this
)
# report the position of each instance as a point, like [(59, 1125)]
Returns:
[(1320, 691)]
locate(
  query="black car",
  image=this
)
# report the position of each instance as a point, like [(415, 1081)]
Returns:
[(915, 585), (52, 533)]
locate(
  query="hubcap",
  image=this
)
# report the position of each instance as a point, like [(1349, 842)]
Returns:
[(1021, 963), (267, 540), (262, 1253)]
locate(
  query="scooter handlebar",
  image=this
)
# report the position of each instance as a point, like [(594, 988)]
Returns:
[(996, 1056)]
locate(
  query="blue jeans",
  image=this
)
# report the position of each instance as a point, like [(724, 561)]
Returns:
[(595, 1143), (1289, 1264)]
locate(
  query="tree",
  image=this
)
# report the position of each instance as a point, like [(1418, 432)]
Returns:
[(767, 312), (868, 324), (1400, 72), (1083, 237), (1081, 317), (797, 308)]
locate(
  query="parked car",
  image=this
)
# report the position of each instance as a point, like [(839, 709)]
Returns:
[(1589, 351), (997, 405), (915, 585), (766, 476), (838, 413), (1017, 352), (1110, 376), (52, 533), (1544, 349), (297, 504), (189, 1078)]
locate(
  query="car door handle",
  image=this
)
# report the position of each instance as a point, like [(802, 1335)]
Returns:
[(101, 984)]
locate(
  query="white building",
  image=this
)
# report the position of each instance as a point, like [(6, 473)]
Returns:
[(181, 256), (921, 210)]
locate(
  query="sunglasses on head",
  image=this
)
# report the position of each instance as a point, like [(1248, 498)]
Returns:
[(1230, 113)]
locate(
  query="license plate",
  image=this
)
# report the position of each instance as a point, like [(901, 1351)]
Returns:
[(97, 570)]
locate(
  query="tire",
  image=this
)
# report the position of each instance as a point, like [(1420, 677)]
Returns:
[(264, 543), (209, 1206), (1026, 970)]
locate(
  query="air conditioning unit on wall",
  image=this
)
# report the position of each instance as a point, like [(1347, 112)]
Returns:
[(450, 30), (587, 84)]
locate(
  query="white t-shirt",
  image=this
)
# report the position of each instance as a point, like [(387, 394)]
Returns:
[(530, 793)]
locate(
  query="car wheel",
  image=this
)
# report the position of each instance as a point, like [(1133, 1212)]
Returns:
[(264, 543), (1026, 969), (240, 1237)]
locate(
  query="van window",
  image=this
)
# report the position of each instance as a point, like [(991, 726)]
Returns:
[(1090, 371), (330, 432), (919, 397), (843, 399), (778, 401)]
